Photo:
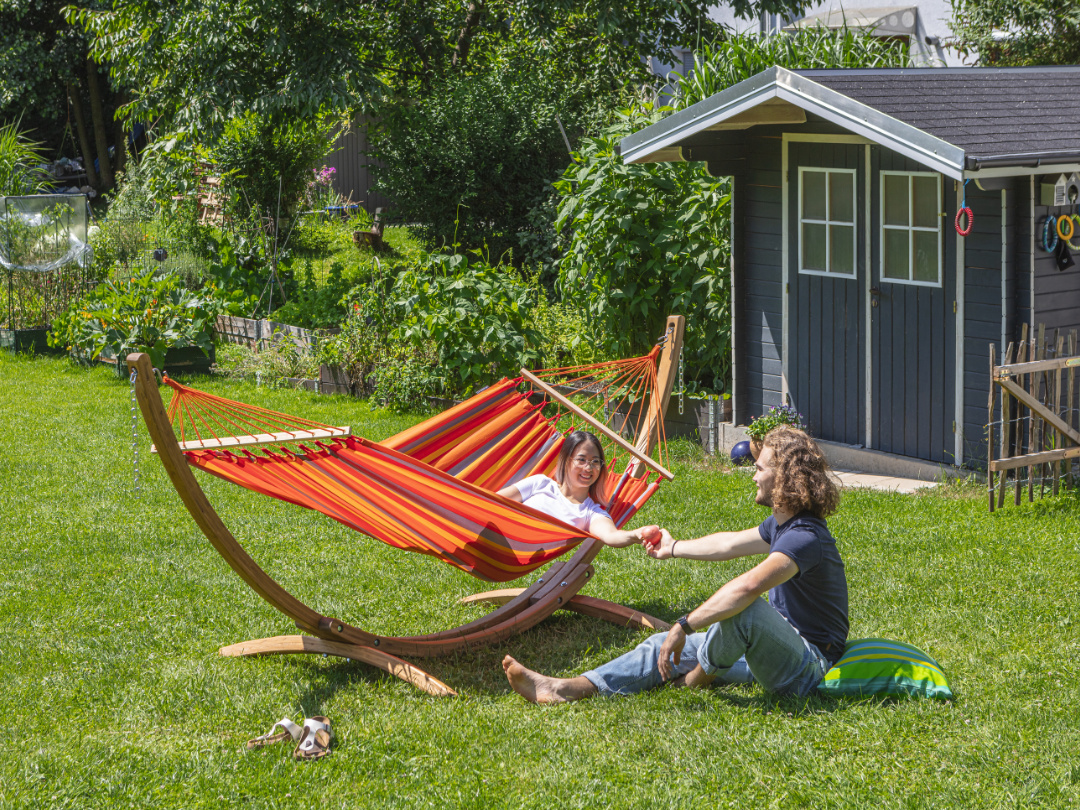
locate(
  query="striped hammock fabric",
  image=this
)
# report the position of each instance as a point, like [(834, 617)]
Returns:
[(431, 489)]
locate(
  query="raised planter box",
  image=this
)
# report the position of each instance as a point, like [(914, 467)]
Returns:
[(184, 360), (34, 341)]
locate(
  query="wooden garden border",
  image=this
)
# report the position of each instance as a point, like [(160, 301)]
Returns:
[(1042, 383)]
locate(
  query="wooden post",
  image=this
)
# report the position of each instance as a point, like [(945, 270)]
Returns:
[(1037, 386), (990, 438), (665, 382), (1066, 467), (1021, 356), (1006, 427), (1058, 437)]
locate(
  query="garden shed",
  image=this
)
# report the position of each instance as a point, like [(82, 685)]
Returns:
[(854, 297)]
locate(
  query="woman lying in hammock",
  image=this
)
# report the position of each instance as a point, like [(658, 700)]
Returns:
[(573, 495)]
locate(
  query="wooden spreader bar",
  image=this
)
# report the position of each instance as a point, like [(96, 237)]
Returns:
[(217, 443), (597, 425)]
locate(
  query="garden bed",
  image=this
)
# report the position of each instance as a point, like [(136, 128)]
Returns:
[(34, 341)]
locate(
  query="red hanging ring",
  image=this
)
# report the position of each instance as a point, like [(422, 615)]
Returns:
[(970, 221)]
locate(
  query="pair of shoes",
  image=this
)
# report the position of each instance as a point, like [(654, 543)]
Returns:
[(313, 738)]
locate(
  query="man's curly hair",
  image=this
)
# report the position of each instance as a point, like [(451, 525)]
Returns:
[(802, 480)]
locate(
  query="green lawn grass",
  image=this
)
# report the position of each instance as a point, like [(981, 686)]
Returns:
[(113, 606)]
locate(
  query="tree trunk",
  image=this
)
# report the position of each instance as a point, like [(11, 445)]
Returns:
[(84, 139), (472, 19), (119, 135), (97, 113)]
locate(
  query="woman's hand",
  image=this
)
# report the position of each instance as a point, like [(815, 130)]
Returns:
[(661, 545), (649, 535)]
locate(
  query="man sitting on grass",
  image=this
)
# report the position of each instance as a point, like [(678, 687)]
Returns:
[(786, 644)]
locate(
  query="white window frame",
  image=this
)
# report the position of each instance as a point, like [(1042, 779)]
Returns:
[(911, 230), (829, 221)]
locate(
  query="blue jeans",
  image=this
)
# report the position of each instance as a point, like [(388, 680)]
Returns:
[(756, 645)]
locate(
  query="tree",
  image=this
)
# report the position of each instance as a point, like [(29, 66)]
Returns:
[(45, 70), (473, 159), (1017, 32), (200, 63)]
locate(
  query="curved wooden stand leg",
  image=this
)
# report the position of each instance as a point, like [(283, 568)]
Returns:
[(284, 645), (615, 613), (499, 597), (585, 605)]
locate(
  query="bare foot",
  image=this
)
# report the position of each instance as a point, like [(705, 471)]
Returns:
[(537, 688), (697, 678)]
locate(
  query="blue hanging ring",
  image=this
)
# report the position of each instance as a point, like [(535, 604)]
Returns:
[(1050, 235)]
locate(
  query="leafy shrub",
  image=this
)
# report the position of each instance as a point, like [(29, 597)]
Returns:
[(478, 153), (477, 316), (565, 338), (647, 240), (313, 305), (279, 359), (263, 159), (148, 313), (396, 373)]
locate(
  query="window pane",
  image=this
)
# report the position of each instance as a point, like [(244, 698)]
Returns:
[(841, 244), (813, 191), (842, 197), (924, 191), (896, 199), (813, 246), (926, 256), (895, 254)]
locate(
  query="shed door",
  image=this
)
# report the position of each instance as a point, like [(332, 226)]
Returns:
[(912, 321), (826, 280)]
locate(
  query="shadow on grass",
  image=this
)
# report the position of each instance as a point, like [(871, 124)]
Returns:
[(565, 645)]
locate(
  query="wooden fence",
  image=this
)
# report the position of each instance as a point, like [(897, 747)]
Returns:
[(1034, 443)]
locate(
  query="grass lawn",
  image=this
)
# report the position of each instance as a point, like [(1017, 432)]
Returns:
[(113, 606)]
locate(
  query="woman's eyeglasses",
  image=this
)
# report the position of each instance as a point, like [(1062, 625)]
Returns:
[(582, 461)]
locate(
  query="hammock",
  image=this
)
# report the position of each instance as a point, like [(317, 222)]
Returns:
[(431, 489)]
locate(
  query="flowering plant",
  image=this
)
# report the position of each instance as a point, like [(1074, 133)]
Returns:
[(778, 415), (320, 190)]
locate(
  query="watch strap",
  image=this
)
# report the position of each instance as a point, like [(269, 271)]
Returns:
[(684, 622)]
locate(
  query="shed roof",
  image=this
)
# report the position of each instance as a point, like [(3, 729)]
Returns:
[(955, 120)]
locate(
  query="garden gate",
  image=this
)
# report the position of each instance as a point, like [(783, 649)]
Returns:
[(1037, 436)]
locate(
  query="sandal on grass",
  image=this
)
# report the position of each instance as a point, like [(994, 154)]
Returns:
[(315, 740), (290, 731)]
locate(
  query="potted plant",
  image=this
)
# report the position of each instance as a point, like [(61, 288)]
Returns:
[(776, 416)]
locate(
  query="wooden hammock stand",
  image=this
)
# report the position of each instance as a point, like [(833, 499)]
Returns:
[(521, 608)]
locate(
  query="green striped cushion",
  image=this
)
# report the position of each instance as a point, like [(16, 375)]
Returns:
[(877, 666)]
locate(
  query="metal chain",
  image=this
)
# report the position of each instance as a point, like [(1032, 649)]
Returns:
[(682, 382), (134, 433)]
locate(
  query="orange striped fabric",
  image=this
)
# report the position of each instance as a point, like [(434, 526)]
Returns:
[(431, 489), (405, 503)]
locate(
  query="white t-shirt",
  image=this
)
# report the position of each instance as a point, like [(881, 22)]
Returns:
[(544, 494)]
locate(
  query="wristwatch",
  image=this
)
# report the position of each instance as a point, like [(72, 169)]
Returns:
[(684, 622)]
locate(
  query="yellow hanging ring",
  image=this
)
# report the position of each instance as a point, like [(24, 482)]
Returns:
[(1064, 220), (1074, 218)]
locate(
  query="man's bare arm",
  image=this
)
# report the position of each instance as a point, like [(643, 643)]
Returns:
[(734, 597), (718, 546)]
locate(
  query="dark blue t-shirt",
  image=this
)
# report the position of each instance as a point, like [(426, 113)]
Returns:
[(815, 600)]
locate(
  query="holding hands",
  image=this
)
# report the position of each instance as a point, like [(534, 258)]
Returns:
[(658, 545)]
